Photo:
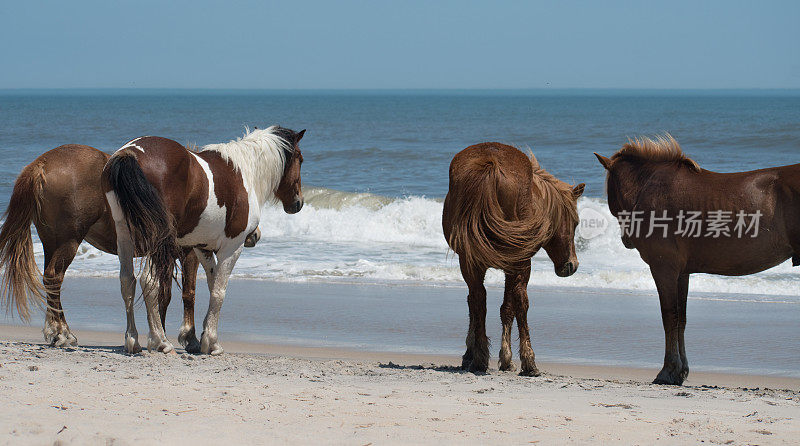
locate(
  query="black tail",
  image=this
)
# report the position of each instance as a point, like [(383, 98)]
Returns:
[(150, 224)]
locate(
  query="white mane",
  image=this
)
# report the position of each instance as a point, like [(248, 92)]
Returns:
[(260, 158)]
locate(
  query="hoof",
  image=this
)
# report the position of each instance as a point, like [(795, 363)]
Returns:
[(193, 346), (213, 349), (64, 340), (466, 360), (671, 378), (531, 372), (58, 335), (667, 381), (509, 367), (162, 346), (478, 369), (132, 346), (189, 341), (209, 347)]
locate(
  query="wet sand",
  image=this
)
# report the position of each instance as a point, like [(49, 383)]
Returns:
[(571, 326)]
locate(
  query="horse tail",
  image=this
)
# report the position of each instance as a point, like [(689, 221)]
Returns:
[(481, 234), (21, 278), (150, 224)]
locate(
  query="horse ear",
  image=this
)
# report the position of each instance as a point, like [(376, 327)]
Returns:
[(577, 191), (603, 160), (298, 136)]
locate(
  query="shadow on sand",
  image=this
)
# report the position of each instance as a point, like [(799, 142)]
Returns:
[(438, 368)]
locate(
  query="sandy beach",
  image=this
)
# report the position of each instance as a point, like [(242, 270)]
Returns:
[(257, 393)]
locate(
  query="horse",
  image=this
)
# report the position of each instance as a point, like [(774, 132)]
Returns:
[(653, 179), (60, 193), (165, 198), (500, 209)]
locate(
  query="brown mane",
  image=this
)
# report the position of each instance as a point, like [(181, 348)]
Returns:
[(662, 148), (556, 194)]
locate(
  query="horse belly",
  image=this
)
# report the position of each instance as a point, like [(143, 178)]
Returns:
[(210, 230), (739, 257)]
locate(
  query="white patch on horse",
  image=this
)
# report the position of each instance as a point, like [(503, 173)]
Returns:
[(131, 144), (210, 230)]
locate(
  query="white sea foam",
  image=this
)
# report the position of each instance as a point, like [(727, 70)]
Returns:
[(342, 236)]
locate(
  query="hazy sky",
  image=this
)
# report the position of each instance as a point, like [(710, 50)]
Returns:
[(402, 44)]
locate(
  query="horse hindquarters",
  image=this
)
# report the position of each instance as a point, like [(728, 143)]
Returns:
[(144, 225)]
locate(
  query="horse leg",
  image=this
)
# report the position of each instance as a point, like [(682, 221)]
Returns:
[(56, 261), (127, 282), (217, 284), (476, 358), (519, 290), (507, 311), (156, 340), (186, 334), (667, 283), (163, 305), (683, 292)]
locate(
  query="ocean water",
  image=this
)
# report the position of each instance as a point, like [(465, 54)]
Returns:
[(376, 168)]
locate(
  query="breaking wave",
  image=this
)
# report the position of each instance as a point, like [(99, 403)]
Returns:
[(362, 237)]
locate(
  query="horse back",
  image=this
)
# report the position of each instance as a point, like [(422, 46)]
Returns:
[(772, 193)]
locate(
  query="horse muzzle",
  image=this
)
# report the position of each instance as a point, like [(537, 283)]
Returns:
[(568, 269), (294, 207), (252, 238)]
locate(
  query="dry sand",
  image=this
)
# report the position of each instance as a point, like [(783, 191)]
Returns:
[(257, 394)]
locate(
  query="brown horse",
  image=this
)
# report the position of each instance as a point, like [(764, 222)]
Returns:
[(501, 208), (60, 193), (751, 224), (165, 198)]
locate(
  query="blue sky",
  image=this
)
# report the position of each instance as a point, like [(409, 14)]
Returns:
[(403, 44)]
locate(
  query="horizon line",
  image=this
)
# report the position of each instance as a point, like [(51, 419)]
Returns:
[(412, 88)]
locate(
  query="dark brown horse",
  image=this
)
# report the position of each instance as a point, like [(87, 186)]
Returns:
[(165, 198), (60, 193), (683, 219), (501, 208)]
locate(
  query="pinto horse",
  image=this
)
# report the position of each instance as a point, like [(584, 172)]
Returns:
[(501, 208), (60, 193), (654, 180), (165, 198)]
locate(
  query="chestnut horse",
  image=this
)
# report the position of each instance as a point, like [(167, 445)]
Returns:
[(652, 185), (60, 193), (164, 198), (501, 208)]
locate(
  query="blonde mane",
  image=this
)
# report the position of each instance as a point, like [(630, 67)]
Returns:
[(662, 148), (260, 157)]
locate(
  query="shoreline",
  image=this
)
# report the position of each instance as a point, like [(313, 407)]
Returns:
[(88, 338)]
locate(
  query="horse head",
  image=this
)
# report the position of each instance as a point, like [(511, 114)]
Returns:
[(561, 245), (290, 191)]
